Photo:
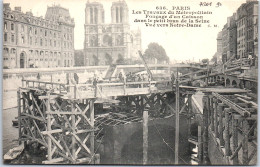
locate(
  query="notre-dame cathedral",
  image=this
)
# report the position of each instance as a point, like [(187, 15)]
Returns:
[(106, 43)]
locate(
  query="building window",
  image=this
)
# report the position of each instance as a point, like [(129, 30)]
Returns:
[(13, 51), (12, 26), (41, 42), (35, 32), (22, 28), (35, 41), (30, 30), (23, 40), (54, 35), (54, 43), (46, 42), (5, 25), (6, 50), (50, 43), (12, 38), (45, 32), (5, 37)]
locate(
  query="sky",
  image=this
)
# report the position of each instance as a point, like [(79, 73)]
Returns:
[(180, 44)]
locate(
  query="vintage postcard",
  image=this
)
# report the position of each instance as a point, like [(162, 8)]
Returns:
[(130, 82)]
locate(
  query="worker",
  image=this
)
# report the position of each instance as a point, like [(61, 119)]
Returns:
[(250, 58), (76, 78), (38, 76)]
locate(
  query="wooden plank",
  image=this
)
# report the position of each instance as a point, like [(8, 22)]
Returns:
[(220, 109), (216, 118), (145, 137), (245, 143), (200, 145), (177, 119), (48, 129), (73, 123), (206, 107), (92, 123), (227, 137), (235, 140), (19, 114)]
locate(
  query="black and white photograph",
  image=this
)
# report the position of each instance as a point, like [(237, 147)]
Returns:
[(129, 82)]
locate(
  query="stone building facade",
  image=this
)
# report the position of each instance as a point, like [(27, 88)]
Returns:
[(252, 28), (106, 43), (30, 41), (219, 47), (232, 37), (240, 33)]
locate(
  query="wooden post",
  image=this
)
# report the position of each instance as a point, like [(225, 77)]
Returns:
[(245, 142), (124, 85), (73, 140), (221, 127), (210, 110), (145, 137), (177, 120), (75, 91), (212, 115), (207, 79), (49, 127), (227, 139), (189, 113), (92, 135), (235, 139), (206, 107), (200, 145), (19, 114), (215, 118)]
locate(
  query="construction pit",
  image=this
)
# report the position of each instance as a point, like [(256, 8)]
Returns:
[(101, 129)]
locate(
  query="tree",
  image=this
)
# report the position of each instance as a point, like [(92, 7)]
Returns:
[(204, 61), (214, 58), (155, 50)]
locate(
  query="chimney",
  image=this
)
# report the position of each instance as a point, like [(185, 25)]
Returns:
[(7, 6), (18, 9)]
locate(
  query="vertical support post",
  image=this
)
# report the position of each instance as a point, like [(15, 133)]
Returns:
[(73, 140), (206, 107), (19, 114), (75, 91), (92, 135), (235, 139), (177, 120), (227, 138), (245, 142), (216, 118), (221, 127), (49, 127), (210, 110), (212, 114), (207, 79), (124, 85), (189, 113), (145, 137), (200, 145)]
